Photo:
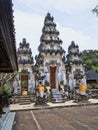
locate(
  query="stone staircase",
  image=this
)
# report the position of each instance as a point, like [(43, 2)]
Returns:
[(24, 100), (56, 96)]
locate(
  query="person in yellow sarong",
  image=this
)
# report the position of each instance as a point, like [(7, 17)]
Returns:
[(41, 89)]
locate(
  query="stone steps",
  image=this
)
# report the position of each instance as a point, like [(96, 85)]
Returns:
[(56, 96), (24, 100)]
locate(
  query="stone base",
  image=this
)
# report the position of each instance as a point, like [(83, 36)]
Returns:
[(40, 101)]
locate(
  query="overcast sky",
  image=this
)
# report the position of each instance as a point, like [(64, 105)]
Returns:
[(74, 18)]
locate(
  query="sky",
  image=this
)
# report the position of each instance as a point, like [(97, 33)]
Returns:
[(74, 19)]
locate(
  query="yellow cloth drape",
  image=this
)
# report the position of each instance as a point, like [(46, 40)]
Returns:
[(48, 87), (41, 89), (82, 88), (61, 86)]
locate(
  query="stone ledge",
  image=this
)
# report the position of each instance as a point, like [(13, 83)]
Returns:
[(17, 107)]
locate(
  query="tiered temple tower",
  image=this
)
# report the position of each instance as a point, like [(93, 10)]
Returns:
[(75, 69), (25, 61), (51, 57)]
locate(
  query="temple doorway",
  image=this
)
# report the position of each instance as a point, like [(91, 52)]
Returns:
[(24, 84), (53, 76)]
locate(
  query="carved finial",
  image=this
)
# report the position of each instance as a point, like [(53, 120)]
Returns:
[(24, 40)]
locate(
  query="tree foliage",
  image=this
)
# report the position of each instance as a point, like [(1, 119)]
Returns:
[(5, 77), (90, 58)]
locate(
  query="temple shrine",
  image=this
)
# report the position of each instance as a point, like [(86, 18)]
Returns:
[(25, 61), (51, 57), (51, 65)]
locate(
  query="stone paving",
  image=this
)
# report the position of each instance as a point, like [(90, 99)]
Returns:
[(72, 118), (6, 121)]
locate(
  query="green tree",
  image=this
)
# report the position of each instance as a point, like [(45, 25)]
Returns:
[(90, 58)]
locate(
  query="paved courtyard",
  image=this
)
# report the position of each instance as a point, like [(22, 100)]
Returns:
[(71, 118)]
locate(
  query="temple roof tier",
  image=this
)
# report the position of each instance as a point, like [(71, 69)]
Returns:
[(49, 17), (48, 41), (24, 51), (75, 62), (51, 32), (74, 54), (23, 61), (51, 51)]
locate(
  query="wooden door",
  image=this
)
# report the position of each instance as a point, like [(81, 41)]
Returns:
[(53, 77), (24, 83)]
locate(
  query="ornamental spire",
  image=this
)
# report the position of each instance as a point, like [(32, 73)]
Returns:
[(24, 53), (50, 36)]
